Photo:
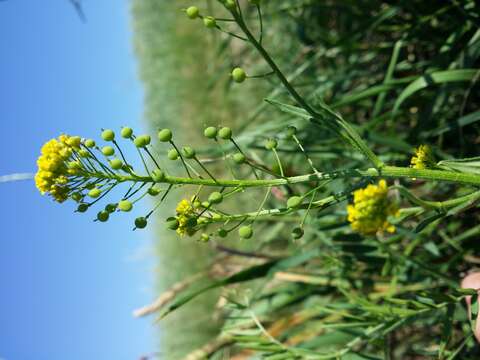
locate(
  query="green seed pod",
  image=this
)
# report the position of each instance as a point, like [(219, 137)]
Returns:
[(191, 222), (192, 12), (204, 238), (271, 144), (202, 220), (188, 152), (83, 153), (297, 233), (82, 207), (108, 135), (173, 154), (238, 75), (165, 135), (77, 196), (239, 158), (225, 133), (230, 4), (210, 132), (140, 222), (126, 132), (206, 204), (172, 223), (147, 139), (209, 22), (116, 164), (291, 131), (245, 232), (108, 150), (158, 175), (294, 201), (74, 141), (196, 204), (215, 197), (110, 208), (140, 142), (222, 232), (103, 216), (90, 143), (94, 193), (125, 205), (153, 191)]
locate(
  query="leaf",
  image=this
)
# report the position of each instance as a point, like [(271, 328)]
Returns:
[(438, 77), (424, 223), (468, 165)]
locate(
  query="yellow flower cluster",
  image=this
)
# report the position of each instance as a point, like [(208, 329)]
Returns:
[(185, 216), (423, 158), (370, 209), (53, 170)]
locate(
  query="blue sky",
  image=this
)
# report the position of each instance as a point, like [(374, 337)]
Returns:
[(68, 285)]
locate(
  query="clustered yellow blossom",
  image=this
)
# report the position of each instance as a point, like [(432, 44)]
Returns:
[(423, 158), (53, 166), (370, 209), (186, 217)]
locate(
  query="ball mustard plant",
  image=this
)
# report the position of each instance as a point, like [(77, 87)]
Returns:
[(125, 205), (210, 132), (173, 154), (245, 232), (165, 135), (90, 143), (209, 22), (423, 158), (126, 132), (108, 150), (225, 133)]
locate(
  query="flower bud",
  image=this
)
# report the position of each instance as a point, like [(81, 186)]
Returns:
[(215, 197), (74, 141), (82, 207), (271, 144), (225, 133), (165, 135), (125, 205), (172, 223), (245, 232), (116, 164), (238, 75), (222, 232), (204, 237), (210, 132), (158, 175), (192, 12), (140, 222), (294, 201), (108, 135), (83, 153), (173, 154), (94, 193), (188, 152), (108, 151), (297, 233), (209, 22), (90, 143), (103, 216), (126, 132)]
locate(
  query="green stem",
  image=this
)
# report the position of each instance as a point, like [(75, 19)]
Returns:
[(385, 172)]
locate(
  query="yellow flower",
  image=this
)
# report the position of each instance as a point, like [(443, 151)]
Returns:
[(186, 217), (423, 158), (53, 171), (370, 209)]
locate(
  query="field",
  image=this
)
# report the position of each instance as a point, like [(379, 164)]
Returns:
[(367, 85)]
